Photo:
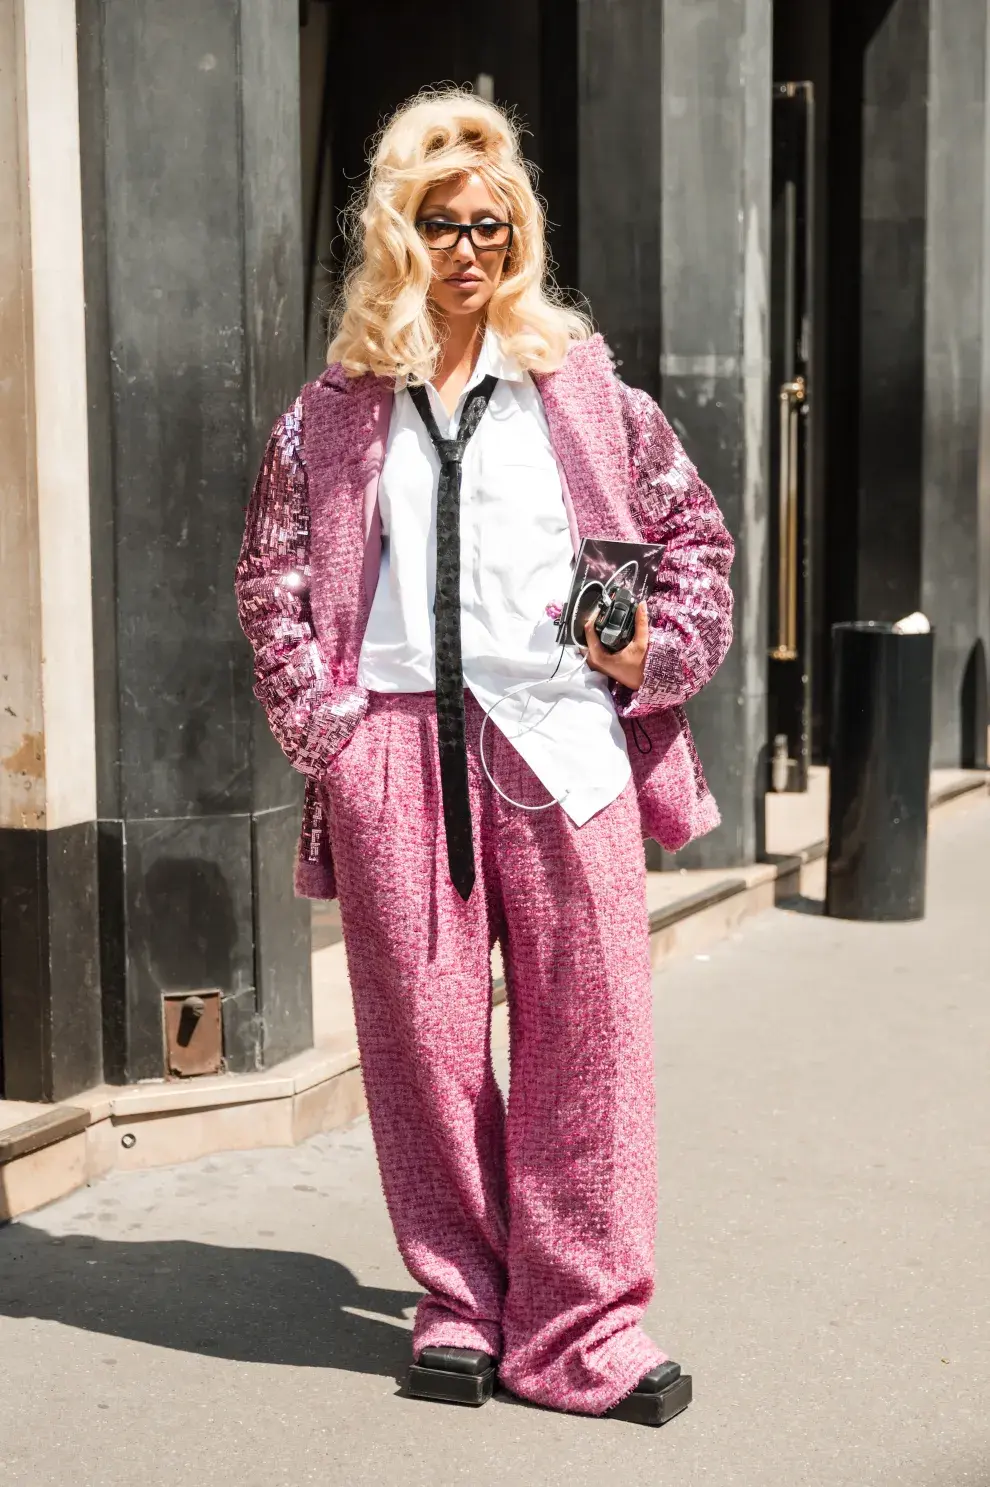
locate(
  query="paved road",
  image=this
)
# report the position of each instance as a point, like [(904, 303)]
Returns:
[(824, 1259)]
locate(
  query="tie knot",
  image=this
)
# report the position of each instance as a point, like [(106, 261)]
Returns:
[(451, 451)]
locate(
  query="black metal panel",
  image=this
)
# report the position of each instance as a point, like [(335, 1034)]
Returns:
[(187, 925), (24, 973), (113, 949), (282, 938), (49, 959)]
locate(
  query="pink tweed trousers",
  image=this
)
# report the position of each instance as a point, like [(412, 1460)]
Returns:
[(531, 1227)]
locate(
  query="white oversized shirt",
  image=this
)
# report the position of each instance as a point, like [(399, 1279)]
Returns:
[(516, 556)]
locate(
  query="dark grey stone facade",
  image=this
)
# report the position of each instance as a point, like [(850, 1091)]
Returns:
[(674, 193), (51, 1025), (955, 507), (651, 123), (917, 530), (191, 199)]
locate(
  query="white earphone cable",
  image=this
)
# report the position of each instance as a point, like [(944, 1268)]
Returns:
[(514, 692), (610, 584)]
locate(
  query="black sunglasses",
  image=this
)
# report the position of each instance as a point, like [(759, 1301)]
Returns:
[(486, 237)]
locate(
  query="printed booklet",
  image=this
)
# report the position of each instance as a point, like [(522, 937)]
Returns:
[(600, 568)]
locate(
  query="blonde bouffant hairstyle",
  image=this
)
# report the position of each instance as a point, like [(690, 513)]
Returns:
[(383, 323)]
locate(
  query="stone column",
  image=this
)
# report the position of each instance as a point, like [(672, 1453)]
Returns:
[(50, 1046), (190, 132), (620, 189), (920, 529), (955, 547), (978, 666), (892, 329), (675, 206)]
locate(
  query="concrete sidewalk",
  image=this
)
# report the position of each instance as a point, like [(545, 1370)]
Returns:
[(824, 1261)]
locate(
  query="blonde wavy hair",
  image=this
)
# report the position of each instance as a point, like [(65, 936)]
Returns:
[(383, 323)]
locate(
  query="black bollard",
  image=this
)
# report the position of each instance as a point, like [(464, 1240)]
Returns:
[(879, 770)]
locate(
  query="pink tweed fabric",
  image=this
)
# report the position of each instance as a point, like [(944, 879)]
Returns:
[(310, 560), (530, 1229)]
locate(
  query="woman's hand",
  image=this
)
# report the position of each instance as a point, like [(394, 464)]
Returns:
[(626, 666)]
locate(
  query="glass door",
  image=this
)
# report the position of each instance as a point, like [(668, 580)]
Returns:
[(789, 641)]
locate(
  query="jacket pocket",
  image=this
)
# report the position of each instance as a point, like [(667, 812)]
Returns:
[(674, 802)]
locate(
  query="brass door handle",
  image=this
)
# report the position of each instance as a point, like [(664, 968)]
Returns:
[(791, 397)]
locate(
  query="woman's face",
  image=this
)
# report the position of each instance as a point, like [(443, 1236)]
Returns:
[(464, 277)]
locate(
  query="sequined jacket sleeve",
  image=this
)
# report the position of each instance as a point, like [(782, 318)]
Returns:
[(292, 679), (691, 614)]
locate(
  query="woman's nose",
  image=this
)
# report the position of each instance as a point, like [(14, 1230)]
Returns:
[(464, 252)]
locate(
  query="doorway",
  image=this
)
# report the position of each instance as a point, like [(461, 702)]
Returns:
[(522, 56), (792, 334)]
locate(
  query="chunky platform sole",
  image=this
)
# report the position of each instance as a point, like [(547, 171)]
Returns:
[(453, 1376), (654, 1409)]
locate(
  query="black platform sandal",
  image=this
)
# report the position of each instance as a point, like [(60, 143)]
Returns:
[(453, 1375), (660, 1395)]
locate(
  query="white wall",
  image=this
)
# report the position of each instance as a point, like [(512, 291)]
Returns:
[(47, 741)]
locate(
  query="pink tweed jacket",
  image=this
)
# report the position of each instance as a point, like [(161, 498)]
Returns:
[(309, 565)]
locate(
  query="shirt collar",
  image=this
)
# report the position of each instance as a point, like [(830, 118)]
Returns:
[(492, 361)]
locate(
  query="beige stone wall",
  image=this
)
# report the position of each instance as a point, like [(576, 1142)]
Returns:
[(22, 784), (47, 742)]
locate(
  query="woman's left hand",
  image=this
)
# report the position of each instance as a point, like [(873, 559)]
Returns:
[(628, 665)]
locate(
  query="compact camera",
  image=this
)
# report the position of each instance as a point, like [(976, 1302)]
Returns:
[(615, 622), (610, 580)]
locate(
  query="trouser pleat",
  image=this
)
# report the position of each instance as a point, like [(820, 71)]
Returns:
[(532, 1229)]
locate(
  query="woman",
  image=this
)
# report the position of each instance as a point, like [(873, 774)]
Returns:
[(412, 528)]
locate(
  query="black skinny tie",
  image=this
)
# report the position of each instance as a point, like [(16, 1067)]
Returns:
[(447, 617)]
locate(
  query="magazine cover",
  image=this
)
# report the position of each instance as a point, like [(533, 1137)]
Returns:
[(601, 567)]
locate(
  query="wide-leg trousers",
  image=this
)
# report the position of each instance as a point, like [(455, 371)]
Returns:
[(531, 1227)]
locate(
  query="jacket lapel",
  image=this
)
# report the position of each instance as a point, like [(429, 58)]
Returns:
[(345, 421), (584, 412)]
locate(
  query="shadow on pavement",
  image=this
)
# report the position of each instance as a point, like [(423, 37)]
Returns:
[(800, 903), (248, 1305)]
